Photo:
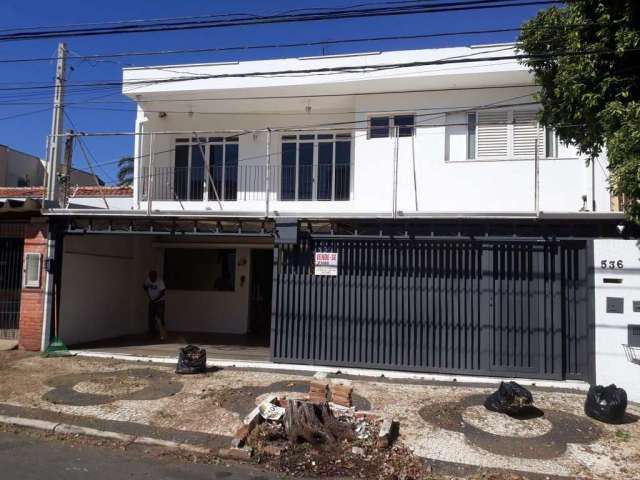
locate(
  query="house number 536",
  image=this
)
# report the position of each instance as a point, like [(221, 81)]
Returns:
[(611, 264)]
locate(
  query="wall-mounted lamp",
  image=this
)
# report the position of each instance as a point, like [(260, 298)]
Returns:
[(162, 114)]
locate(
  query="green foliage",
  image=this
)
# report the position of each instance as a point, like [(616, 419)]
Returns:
[(586, 58), (125, 171)]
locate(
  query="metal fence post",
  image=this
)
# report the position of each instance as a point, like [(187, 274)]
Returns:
[(268, 174)]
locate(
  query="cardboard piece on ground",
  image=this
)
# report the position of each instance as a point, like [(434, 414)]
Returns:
[(6, 345)]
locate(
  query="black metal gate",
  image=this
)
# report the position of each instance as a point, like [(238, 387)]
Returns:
[(499, 308), (10, 286)]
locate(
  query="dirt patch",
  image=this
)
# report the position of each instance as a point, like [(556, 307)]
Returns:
[(357, 458), (534, 436), (243, 399), (82, 389)]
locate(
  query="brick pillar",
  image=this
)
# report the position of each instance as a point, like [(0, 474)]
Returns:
[(32, 298)]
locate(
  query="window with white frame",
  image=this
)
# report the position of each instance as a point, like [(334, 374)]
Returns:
[(495, 134), (383, 126), (206, 168), (316, 166), (32, 269)]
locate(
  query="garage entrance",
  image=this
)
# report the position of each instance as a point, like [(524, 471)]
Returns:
[(209, 284), (502, 308)]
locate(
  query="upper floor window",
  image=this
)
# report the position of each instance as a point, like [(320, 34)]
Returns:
[(316, 167), (205, 168), (495, 134), (384, 126)]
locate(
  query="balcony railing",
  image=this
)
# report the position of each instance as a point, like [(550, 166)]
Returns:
[(248, 183)]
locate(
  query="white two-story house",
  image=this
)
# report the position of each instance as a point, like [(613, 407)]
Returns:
[(399, 210)]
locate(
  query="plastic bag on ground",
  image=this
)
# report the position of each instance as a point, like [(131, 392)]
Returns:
[(607, 404), (510, 398), (192, 359), (269, 411)]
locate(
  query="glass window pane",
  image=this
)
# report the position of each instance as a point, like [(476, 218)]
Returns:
[(232, 139), (307, 137), (405, 125), (288, 173), (231, 172), (196, 177), (379, 127), (549, 142), (325, 170), (305, 173), (343, 171), (200, 269), (471, 136), (181, 172), (325, 136)]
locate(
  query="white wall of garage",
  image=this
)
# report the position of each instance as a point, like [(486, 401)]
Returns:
[(103, 296)]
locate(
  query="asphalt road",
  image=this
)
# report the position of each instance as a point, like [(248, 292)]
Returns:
[(26, 458)]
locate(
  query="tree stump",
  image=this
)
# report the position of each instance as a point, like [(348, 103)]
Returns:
[(313, 423)]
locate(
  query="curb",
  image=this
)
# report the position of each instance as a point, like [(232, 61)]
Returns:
[(65, 428), (361, 373)]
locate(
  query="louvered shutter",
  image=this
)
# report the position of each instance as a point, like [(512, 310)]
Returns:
[(524, 134), (492, 134)]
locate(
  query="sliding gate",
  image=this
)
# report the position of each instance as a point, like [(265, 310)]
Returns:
[(10, 286), (494, 308)]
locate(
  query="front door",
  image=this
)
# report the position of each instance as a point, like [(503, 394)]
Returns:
[(10, 286), (260, 299)]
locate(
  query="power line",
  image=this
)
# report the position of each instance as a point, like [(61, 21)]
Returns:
[(337, 14), (341, 69), (281, 97), (272, 45)]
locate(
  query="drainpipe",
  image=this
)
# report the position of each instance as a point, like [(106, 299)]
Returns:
[(137, 162), (536, 175), (395, 172), (593, 184), (150, 176), (268, 175)]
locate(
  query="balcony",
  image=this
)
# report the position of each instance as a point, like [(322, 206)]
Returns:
[(244, 183)]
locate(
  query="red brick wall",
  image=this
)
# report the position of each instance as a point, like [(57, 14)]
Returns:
[(32, 299)]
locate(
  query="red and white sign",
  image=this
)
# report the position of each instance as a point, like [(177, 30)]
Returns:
[(326, 263)]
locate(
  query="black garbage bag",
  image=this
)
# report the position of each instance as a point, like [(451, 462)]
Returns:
[(607, 404), (192, 359), (510, 398)]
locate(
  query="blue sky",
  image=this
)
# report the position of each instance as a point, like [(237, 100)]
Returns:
[(28, 131)]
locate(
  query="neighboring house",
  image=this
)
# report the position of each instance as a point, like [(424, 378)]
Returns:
[(413, 218), (19, 169)]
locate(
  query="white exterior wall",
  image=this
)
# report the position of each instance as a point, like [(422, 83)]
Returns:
[(612, 365), (101, 289), (446, 182)]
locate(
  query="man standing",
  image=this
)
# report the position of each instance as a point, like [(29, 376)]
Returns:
[(155, 288)]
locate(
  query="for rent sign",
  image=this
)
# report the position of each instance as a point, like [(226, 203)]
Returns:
[(326, 263)]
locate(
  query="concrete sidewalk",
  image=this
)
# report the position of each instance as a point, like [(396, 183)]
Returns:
[(442, 422)]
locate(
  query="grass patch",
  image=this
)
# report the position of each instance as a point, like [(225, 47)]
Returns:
[(623, 435)]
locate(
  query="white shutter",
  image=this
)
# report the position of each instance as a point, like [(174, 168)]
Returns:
[(525, 127), (492, 134)]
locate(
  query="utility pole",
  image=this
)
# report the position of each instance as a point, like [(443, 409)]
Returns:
[(57, 126), (53, 196), (65, 176)]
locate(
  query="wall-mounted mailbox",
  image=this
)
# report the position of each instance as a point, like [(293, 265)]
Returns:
[(615, 305)]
